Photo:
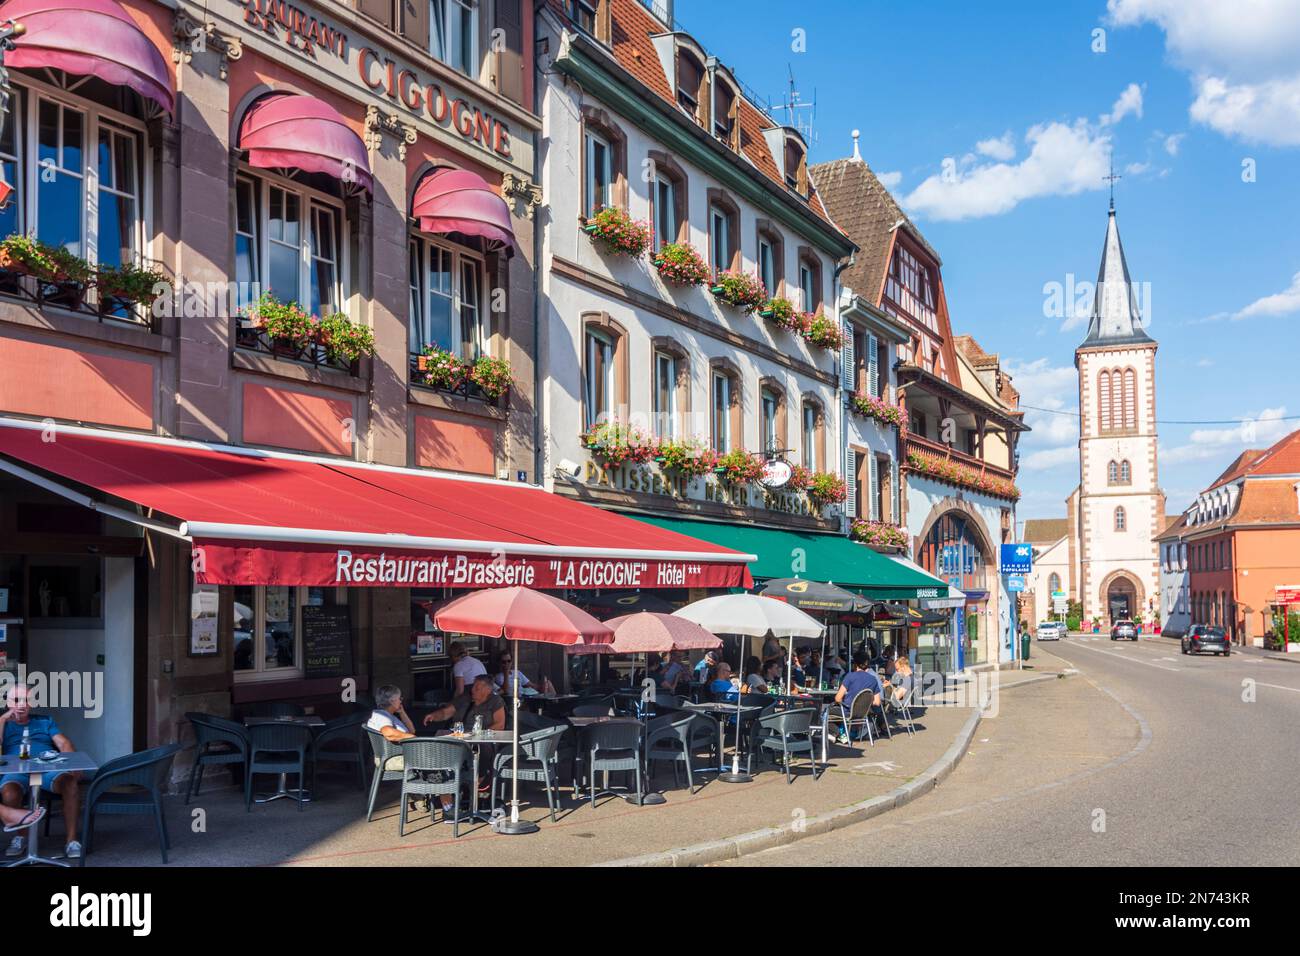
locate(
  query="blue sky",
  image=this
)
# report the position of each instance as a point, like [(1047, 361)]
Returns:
[(1014, 96)]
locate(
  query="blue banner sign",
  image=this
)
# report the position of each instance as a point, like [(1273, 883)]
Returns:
[(1017, 558)]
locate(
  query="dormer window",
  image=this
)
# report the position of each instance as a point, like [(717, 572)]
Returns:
[(690, 83), (583, 13), (724, 114), (796, 167)]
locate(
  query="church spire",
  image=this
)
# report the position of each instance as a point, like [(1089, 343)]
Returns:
[(1115, 317)]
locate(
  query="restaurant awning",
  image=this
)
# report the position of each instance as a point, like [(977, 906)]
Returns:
[(258, 517), (295, 131), (816, 557), (89, 38), (457, 200)]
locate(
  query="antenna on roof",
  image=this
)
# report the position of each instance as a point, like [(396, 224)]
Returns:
[(794, 104)]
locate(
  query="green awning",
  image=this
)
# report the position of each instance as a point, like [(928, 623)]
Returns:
[(815, 556)]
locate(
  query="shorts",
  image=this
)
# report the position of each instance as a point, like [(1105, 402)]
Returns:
[(23, 779)]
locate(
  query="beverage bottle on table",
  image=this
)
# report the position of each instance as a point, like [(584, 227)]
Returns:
[(478, 724), (25, 748)]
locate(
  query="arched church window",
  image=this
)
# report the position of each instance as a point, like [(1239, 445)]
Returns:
[(1112, 473), (1054, 582), (1130, 399), (1103, 400), (1125, 473), (1120, 519)]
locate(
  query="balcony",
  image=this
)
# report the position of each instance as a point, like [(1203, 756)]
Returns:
[(464, 389), (253, 339), (944, 463), (82, 299)]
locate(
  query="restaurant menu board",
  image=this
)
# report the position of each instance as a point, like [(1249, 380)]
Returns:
[(326, 641)]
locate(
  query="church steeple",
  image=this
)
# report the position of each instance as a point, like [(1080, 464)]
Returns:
[(1115, 318)]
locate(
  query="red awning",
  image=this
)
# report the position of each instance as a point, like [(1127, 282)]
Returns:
[(89, 38), (456, 200), (296, 131), (259, 517)]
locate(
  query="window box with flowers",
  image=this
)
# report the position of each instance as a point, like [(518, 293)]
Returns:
[(868, 406), (878, 534), (824, 332), (680, 264), (739, 290), (800, 478), (964, 476), (286, 330), (739, 467), (615, 444), (782, 313), (122, 288), (62, 277), (487, 379), (826, 488), (344, 341), (615, 231), (289, 328), (688, 457)]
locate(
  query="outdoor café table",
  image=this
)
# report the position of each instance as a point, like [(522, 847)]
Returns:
[(578, 723), (721, 711), (476, 741), (65, 762), (281, 792)]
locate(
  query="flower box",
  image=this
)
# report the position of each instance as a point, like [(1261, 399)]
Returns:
[(739, 467), (878, 534), (882, 411), (617, 444), (343, 340), (680, 264), (617, 232), (964, 476), (739, 290), (825, 332)]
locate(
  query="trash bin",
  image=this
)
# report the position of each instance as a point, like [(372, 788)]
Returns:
[(1024, 646)]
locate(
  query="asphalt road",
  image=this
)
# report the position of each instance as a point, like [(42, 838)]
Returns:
[(1145, 757)]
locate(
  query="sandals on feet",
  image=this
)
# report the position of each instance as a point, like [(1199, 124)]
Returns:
[(31, 818)]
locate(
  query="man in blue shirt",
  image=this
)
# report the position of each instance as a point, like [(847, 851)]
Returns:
[(862, 680), (704, 665), (43, 734)]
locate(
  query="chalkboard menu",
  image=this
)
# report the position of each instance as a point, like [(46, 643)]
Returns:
[(326, 641)]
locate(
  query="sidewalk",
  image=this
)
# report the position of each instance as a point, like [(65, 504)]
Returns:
[(215, 830)]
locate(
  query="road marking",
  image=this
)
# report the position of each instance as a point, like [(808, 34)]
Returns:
[(888, 766), (1125, 657), (1294, 690)]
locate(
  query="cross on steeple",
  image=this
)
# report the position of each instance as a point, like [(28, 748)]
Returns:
[(1111, 179)]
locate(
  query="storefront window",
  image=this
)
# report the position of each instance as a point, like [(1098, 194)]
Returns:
[(953, 552), (267, 627), (446, 297)]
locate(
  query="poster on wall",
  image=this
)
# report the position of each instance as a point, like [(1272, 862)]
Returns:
[(326, 641), (204, 604)]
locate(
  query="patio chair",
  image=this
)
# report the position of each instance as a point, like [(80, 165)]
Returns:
[(132, 785), (217, 741), (750, 727), (901, 707), (669, 738), (339, 741), (277, 748), (614, 747), (434, 766), (538, 763), (593, 710), (857, 714), (704, 736), (790, 733), (389, 766)]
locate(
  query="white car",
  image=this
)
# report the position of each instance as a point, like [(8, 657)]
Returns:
[(1050, 631)]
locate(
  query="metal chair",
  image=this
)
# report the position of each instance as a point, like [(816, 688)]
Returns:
[(704, 736), (538, 763), (790, 732), (277, 748), (901, 706), (669, 738), (217, 741), (614, 747), (593, 710), (385, 752), (429, 762), (857, 714), (146, 774), (345, 730)]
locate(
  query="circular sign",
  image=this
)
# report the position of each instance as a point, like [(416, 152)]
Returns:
[(776, 473)]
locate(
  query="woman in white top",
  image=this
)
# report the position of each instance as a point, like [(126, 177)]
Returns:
[(504, 678), (464, 668)]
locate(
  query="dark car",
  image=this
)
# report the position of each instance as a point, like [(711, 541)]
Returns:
[(1202, 637), (1124, 630)]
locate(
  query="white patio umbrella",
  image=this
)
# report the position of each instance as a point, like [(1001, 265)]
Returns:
[(749, 615)]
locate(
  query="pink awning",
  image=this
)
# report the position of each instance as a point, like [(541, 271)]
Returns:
[(89, 38), (296, 131), (457, 200)]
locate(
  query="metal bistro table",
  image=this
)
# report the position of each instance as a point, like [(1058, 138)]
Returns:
[(282, 792), (720, 711), (64, 763), (475, 743)]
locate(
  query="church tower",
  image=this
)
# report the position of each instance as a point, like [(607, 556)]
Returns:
[(1120, 507)]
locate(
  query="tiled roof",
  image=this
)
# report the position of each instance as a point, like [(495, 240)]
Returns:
[(967, 345), (1281, 459), (631, 29), (1175, 525), (1046, 530), (1238, 467)]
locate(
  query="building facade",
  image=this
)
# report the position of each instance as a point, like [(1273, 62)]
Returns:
[(1051, 575)]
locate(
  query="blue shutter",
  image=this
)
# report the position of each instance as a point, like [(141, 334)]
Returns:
[(848, 370), (873, 484), (851, 481), (873, 366)]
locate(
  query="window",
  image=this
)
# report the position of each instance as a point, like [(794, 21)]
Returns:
[(600, 176), (722, 238), (287, 241), (796, 176), (665, 210), (446, 296), (1112, 474), (665, 396), (690, 83), (600, 377), (809, 442), (810, 284), (453, 34), (721, 413), (1119, 519), (918, 424), (724, 114), (268, 628), (770, 258), (1103, 400), (1125, 473), (770, 404), (583, 13), (910, 289), (1054, 582), (1130, 399)]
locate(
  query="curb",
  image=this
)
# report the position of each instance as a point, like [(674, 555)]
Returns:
[(731, 848)]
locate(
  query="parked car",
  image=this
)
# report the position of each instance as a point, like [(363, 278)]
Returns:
[(1124, 630), (1049, 631), (1202, 637)]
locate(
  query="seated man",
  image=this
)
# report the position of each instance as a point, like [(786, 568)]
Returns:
[(42, 734), (862, 680), (503, 681), (721, 686), (801, 658), (674, 674), (481, 701), (391, 719), (704, 666)]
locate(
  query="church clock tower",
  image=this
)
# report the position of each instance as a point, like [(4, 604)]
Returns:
[(1120, 507)]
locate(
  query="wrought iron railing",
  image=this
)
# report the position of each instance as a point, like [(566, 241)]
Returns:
[(465, 389), (254, 339), (81, 298)]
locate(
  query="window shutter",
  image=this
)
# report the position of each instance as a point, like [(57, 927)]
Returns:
[(380, 11), (873, 365), (414, 23), (509, 61), (896, 515), (847, 364), (851, 481), (873, 481)]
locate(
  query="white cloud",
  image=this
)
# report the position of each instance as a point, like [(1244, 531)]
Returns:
[(1255, 431), (1205, 363), (889, 180), (1172, 142), (1128, 104), (1001, 149), (1243, 60), (1285, 302), (1136, 169), (1050, 458)]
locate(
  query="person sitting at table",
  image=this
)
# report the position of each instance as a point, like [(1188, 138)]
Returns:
[(391, 720), (42, 734), (674, 673), (901, 679), (504, 679), (774, 675), (720, 684), (862, 680), (755, 678), (481, 701), (464, 668), (801, 659), (704, 666)]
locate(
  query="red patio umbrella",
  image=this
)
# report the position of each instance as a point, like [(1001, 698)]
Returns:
[(647, 632), (520, 614)]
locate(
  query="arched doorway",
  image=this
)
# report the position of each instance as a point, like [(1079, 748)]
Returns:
[(1121, 599)]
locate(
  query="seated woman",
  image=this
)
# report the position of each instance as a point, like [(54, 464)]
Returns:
[(504, 679), (901, 679), (755, 679)]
